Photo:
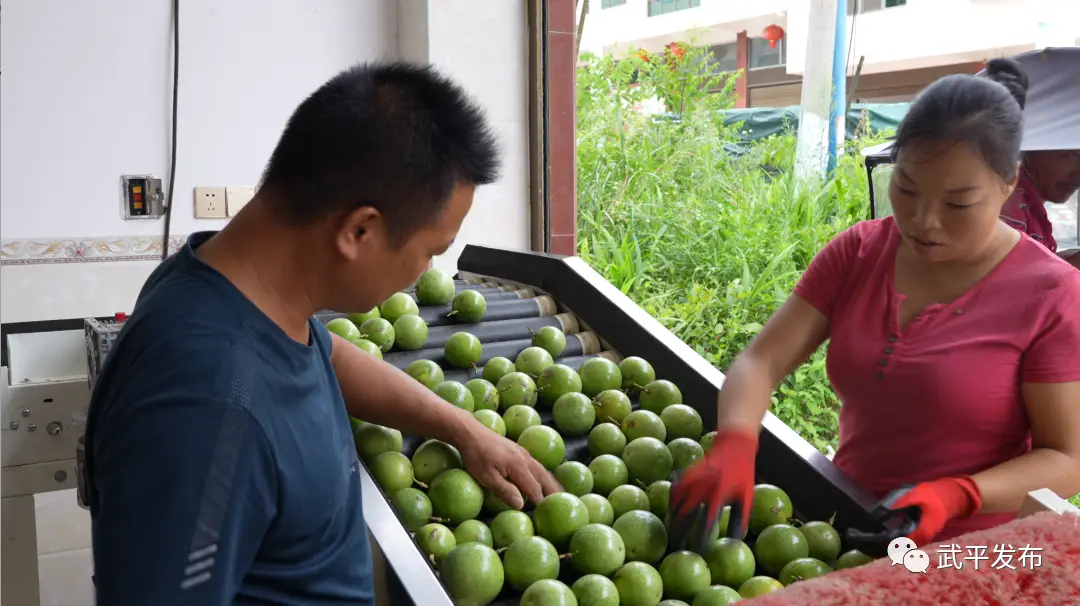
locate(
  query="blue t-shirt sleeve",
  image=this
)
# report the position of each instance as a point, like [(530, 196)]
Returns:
[(187, 488)]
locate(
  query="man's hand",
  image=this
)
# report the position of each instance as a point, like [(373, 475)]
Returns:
[(504, 467), (376, 392)]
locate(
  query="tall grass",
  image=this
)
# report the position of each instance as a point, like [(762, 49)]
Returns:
[(707, 237)]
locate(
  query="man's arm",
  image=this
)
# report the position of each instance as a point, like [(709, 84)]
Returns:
[(185, 490), (377, 392)]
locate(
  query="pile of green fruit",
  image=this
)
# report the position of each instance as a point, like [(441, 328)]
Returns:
[(396, 325), (604, 540)]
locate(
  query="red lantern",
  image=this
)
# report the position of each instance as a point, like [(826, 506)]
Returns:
[(773, 34)]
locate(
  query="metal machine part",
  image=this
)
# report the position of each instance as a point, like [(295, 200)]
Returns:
[(524, 291), (598, 320), (38, 454)]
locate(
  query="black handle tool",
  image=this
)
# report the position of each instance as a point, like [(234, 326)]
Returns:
[(898, 522)]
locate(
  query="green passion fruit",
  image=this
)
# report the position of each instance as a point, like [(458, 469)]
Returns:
[(427, 372), (397, 305), (435, 287), (367, 346), (380, 332), (468, 307), (343, 328), (463, 350), (550, 339), (410, 332)]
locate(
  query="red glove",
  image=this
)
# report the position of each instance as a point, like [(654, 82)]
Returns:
[(940, 501), (725, 476)]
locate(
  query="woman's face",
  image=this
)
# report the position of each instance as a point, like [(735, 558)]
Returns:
[(946, 200), (1057, 173)]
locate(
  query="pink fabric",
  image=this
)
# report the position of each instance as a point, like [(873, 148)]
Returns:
[(1025, 210), (941, 397), (1030, 562)]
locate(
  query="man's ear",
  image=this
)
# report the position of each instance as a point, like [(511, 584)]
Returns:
[(357, 231)]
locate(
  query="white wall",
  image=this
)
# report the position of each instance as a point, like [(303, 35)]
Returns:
[(719, 21), (493, 66), (928, 33), (923, 33), (71, 127)]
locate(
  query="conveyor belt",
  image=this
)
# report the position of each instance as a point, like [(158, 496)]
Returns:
[(598, 320), (506, 331), (506, 334)]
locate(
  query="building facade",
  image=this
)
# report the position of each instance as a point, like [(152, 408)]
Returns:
[(897, 47)]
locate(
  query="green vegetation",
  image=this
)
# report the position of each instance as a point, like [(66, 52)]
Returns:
[(707, 234)]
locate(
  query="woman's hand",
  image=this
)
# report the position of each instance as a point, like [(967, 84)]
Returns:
[(940, 501), (724, 477), (504, 467)]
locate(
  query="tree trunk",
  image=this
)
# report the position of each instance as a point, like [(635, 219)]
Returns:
[(580, 27)]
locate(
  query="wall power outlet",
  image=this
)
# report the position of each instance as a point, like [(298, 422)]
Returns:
[(236, 197), (210, 203)]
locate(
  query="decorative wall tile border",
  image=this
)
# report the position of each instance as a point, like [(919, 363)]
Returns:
[(39, 251)]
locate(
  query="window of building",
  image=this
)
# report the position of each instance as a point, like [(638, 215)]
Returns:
[(663, 7), (763, 55), (611, 3), (725, 58), (869, 6)]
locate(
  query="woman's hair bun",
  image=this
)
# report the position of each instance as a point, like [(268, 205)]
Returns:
[(1009, 74)]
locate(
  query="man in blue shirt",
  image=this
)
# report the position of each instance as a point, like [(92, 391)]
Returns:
[(220, 463)]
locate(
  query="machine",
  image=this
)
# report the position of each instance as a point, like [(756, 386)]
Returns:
[(44, 398), (43, 393), (526, 291)]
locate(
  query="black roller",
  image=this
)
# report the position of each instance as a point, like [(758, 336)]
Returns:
[(501, 330), (576, 345), (460, 286), (491, 294), (574, 362), (505, 308)]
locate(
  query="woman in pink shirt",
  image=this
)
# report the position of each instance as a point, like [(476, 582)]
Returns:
[(954, 340)]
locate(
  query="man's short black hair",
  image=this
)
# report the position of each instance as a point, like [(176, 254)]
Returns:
[(395, 136)]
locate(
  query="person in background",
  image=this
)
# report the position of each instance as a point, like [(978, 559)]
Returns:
[(949, 381), (220, 462), (1045, 176)]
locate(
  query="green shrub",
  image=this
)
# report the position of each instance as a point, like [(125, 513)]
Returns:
[(707, 236)]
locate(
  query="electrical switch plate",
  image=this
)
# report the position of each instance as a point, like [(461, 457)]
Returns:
[(210, 203), (236, 197), (141, 197)]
